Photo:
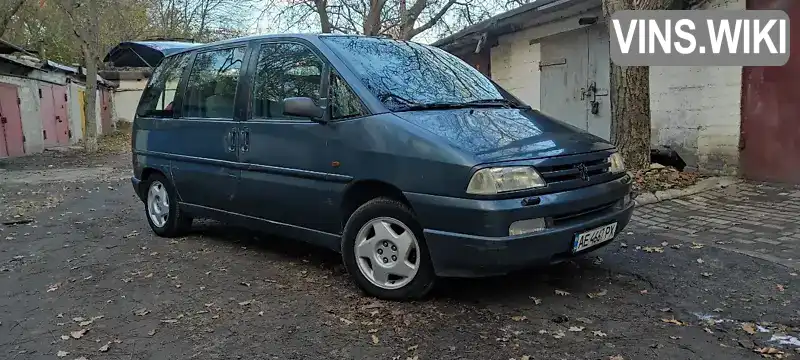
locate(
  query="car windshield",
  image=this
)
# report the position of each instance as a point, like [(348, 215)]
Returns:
[(405, 75)]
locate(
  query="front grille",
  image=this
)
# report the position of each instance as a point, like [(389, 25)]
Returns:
[(578, 216), (583, 170)]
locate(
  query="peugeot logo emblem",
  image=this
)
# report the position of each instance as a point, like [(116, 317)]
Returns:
[(583, 171)]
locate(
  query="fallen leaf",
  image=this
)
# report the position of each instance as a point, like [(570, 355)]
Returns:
[(62, 353), (79, 333), (413, 347), (674, 337), (562, 293), (576, 328), (81, 358), (169, 321), (64, 337), (708, 330), (536, 300), (151, 332), (375, 340), (559, 334), (769, 351), (666, 309), (245, 303), (616, 357), (104, 348), (53, 287), (718, 310), (141, 312), (706, 274), (749, 328), (696, 246), (525, 357), (584, 320), (597, 294), (643, 292), (700, 261), (345, 321), (673, 321), (665, 244), (624, 245), (519, 318), (653, 249), (599, 333), (779, 287)]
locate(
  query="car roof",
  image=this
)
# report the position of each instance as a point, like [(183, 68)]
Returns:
[(305, 36)]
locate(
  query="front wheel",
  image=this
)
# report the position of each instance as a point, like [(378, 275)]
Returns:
[(384, 250), (162, 210)]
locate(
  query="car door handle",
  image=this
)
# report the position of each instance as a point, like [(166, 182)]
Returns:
[(245, 136), (230, 139)]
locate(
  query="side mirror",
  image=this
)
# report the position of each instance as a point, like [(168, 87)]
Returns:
[(302, 107)]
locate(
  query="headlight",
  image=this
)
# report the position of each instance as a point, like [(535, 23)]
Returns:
[(617, 165), (497, 180)]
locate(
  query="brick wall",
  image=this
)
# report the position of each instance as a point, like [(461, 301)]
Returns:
[(696, 110)]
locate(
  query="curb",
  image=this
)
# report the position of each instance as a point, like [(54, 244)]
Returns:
[(702, 185)]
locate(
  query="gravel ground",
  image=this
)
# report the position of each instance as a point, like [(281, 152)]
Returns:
[(86, 278)]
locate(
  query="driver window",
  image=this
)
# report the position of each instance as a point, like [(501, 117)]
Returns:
[(284, 70)]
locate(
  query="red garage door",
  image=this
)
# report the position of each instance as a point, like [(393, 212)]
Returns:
[(12, 142), (770, 136)]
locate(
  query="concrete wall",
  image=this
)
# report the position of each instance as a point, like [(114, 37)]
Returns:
[(695, 110), (126, 98)]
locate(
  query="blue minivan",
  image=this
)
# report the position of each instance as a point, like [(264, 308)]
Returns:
[(400, 156)]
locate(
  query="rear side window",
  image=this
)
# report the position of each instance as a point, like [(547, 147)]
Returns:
[(159, 94), (284, 70), (211, 87)]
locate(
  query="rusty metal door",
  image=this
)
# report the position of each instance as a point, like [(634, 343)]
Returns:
[(770, 134), (12, 141), (48, 114), (60, 102), (105, 111), (575, 78)]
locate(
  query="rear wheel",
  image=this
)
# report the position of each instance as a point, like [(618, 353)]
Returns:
[(384, 250), (161, 208)]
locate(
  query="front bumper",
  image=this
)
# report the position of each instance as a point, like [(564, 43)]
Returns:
[(469, 238)]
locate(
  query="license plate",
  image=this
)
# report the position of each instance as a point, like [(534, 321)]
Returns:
[(593, 237)]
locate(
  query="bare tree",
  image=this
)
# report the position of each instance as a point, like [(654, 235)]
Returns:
[(201, 20), (8, 9), (400, 19)]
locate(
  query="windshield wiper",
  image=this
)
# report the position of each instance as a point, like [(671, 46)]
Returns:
[(435, 106), (496, 102)]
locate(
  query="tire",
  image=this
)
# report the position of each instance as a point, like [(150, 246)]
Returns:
[(382, 211), (176, 222)]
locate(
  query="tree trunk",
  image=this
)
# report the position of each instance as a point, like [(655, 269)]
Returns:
[(90, 138), (630, 95), (322, 11), (630, 114)]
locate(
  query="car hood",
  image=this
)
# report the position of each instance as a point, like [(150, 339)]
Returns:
[(502, 134)]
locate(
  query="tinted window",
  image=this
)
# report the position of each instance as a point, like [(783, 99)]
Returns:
[(211, 87), (157, 97), (344, 103), (284, 70), (403, 73)]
